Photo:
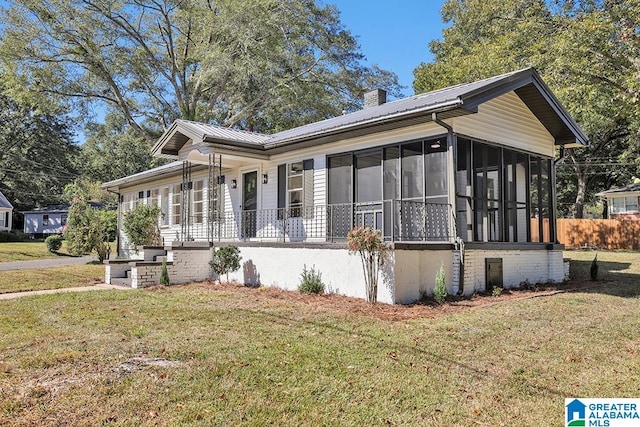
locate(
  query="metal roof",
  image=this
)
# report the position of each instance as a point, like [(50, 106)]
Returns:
[(142, 176), (64, 207), (447, 102), (631, 188), (4, 203)]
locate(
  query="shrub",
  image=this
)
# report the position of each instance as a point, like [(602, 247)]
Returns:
[(164, 274), (84, 230), (14, 236), (368, 243), (225, 260), (496, 291), (54, 243), (440, 289), (594, 269), (311, 281), (141, 225)]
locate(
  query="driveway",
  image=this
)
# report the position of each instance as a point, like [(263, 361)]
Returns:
[(45, 263)]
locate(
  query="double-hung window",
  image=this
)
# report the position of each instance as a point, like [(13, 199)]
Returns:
[(295, 189), (627, 204), (198, 201)]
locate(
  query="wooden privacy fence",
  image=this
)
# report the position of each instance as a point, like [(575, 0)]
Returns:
[(601, 233)]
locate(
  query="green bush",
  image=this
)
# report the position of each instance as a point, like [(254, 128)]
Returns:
[(14, 236), (164, 274), (141, 225), (311, 281), (440, 289), (54, 243), (225, 260)]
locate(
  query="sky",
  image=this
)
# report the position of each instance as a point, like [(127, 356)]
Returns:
[(394, 35)]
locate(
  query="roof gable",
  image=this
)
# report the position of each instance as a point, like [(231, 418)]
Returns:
[(448, 102), (4, 203)]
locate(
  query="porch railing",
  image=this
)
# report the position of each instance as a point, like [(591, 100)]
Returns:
[(399, 220)]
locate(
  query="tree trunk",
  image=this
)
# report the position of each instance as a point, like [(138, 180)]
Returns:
[(578, 207)]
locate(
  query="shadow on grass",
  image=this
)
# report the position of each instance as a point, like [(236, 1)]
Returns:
[(612, 279)]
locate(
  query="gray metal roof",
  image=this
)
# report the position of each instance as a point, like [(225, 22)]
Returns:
[(142, 176), (448, 102), (4, 203), (631, 188)]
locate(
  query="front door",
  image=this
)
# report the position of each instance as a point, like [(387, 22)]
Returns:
[(249, 203)]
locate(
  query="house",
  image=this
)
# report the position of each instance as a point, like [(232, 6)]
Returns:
[(622, 203), (461, 177), (51, 219), (576, 410), (6, 213)]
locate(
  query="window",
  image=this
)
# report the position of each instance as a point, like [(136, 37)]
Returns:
[(45, 220), (176, 202), (198, 201), (164, 206), (295, 188), (153, 197), (627, 204)]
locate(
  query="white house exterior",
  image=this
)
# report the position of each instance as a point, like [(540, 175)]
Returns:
[(622, 202), (6, 212), (461, 177), (46, 220)]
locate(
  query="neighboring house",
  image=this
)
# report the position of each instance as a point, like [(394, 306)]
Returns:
[(41, 222), (461, 177), (622, 203), (6, 213)]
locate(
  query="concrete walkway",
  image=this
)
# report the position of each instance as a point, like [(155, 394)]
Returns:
[(99, 287), (46, 263)]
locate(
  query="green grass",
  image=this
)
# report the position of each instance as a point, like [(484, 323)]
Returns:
[(247, 357), (51, 278), (28, 251), (618, 272)]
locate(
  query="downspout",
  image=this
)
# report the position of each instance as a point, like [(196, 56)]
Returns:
[(118, 222), (459, 243)]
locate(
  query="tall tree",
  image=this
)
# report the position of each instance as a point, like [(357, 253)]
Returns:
[(113, 151), (36, 155), (255, 64), (589, 54)]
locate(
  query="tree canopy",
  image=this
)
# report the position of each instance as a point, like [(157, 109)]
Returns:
[(587, 51), (36, 155), (261, 65)]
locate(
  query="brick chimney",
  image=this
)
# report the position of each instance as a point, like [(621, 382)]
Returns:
[(374, 98)]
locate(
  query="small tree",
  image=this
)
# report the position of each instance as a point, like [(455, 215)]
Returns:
[(594, 268), (84, 230), (440, 289), (225, 260), (368, 243), (164, 274), (141, 225)]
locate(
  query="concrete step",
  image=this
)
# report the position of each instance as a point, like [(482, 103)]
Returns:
[(121, 281)]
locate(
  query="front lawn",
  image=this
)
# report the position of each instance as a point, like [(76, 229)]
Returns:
[(212, 355), (51, 278), (28, 251)]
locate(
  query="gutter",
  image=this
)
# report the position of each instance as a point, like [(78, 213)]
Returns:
[(459, 243)]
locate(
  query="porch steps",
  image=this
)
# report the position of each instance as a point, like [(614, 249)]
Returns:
[(121, 281)]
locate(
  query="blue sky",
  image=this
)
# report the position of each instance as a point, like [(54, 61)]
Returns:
[(395, 35)]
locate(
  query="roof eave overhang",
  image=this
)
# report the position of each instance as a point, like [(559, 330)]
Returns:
[(519, 80), (422, 115)]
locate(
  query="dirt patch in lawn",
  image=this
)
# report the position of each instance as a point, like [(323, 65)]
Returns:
[(398, 312)]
